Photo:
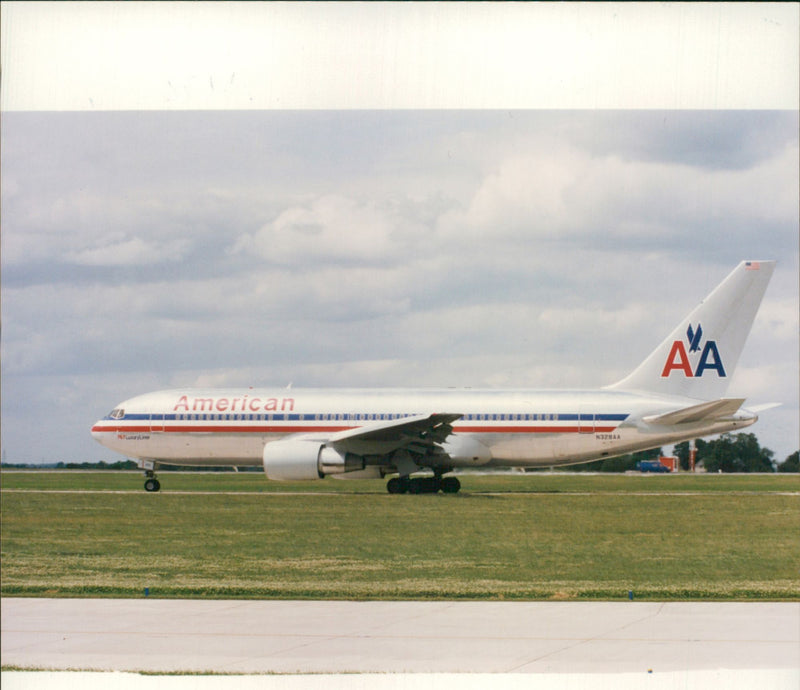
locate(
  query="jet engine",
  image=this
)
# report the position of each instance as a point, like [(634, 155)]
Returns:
[(306, 459)]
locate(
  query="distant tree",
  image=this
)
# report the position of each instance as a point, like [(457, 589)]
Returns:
[(757, 458), (622, 463), (100, 465), (791, 464), (593, 466), (739, 453), (681, 451)]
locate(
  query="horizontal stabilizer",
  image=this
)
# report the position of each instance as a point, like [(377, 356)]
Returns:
[(704, 412)]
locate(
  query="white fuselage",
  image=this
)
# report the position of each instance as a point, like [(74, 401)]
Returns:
[(516, 428), (675, 394)]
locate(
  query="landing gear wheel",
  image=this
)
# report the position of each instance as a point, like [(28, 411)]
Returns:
[(450, 485), (152, 484), (428, 485), (394, 486), (423, 485), (400, 485)]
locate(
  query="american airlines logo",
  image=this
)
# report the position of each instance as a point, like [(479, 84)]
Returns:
[(679, 357), (241, 404)]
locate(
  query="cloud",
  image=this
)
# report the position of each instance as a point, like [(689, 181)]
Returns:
[(777, 319), (131, 252), (142, 251), (708, 140), (612, 201), (333, 229)]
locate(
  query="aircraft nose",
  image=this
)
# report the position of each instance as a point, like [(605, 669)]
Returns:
[(103, 430), (97, 431)]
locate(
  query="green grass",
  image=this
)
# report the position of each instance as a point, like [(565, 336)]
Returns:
[(106, 480), (503, 537)]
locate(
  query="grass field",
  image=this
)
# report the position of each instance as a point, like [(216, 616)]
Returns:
[(503, 537)]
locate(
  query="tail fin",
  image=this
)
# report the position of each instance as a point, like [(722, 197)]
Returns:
[(698, 358)]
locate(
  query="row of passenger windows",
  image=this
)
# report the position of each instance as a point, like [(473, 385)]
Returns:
[(331, 417)]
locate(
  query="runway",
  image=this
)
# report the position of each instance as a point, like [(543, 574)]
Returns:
[(231, 636)]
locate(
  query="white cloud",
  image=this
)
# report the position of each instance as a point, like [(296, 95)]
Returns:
[(331, 229), (131, 252), (561, 193), (422, 249)]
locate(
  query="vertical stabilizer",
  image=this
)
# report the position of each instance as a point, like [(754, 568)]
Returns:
[(698, 358)]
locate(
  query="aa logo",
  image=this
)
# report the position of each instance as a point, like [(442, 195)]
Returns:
[(679, 360)]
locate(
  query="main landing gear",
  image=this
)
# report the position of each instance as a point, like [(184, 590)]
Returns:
[(151, 483), (423, 485)]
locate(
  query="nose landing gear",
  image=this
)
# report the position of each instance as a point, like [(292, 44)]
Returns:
[(151, 483)]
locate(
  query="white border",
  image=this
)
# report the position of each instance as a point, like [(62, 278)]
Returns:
[(347, 55)]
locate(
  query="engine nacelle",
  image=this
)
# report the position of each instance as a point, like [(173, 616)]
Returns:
[(466, 451), (302, 460)]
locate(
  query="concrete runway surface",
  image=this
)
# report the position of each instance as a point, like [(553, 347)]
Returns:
[(233, 636)]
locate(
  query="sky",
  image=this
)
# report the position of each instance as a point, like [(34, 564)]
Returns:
[(157, 246)]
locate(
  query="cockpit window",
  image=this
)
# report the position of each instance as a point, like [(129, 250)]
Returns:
[(117, 413)]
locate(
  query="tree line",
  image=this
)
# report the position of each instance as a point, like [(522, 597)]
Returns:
[(728, 453), (735, 453)]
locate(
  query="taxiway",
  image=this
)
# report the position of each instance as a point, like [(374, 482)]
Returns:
[(233, 636)]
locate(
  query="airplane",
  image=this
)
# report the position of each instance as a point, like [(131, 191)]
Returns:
[(422, 435)]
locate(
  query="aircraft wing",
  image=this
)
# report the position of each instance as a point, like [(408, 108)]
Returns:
[(715, 410), (416, 434)]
